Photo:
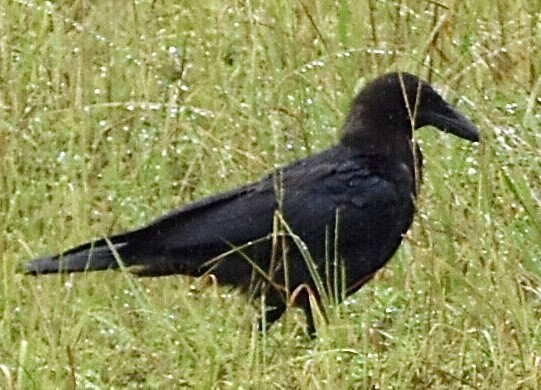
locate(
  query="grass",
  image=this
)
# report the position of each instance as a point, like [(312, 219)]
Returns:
[(112, 115)]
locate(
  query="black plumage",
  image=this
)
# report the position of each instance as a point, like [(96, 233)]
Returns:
[(339, 214)]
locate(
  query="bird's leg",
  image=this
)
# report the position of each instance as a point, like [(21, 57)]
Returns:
[(309, 313), (272, 314), (310, 323)]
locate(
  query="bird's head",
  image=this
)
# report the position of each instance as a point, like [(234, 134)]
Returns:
[(392, 106)]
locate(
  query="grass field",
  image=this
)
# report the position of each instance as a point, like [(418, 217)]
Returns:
[(113, 113)]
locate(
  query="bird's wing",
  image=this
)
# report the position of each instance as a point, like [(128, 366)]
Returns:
[(229, 218), (307, 193), (239, 215)]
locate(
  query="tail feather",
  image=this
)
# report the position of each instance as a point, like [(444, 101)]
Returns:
[(94, 256)]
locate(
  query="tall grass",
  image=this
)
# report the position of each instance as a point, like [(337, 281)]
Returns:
[(112, 114)]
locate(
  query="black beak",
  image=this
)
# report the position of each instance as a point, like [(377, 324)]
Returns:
[(449, 120)]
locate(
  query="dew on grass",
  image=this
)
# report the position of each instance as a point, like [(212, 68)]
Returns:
[(61, 158)]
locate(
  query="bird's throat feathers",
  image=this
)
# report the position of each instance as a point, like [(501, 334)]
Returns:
[(372, 138)]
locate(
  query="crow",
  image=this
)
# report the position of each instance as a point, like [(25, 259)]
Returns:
[(320, 227)]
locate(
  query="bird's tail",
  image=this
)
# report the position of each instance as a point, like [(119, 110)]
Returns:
[(94, 256)]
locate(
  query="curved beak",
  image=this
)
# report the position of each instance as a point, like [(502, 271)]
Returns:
[(450, 120)]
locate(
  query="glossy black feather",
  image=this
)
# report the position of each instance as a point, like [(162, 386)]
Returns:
[(354, 201)]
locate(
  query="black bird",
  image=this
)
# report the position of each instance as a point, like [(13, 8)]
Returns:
[(322, 224)]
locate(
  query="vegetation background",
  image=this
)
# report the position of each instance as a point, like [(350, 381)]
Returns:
[(113, 113)]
